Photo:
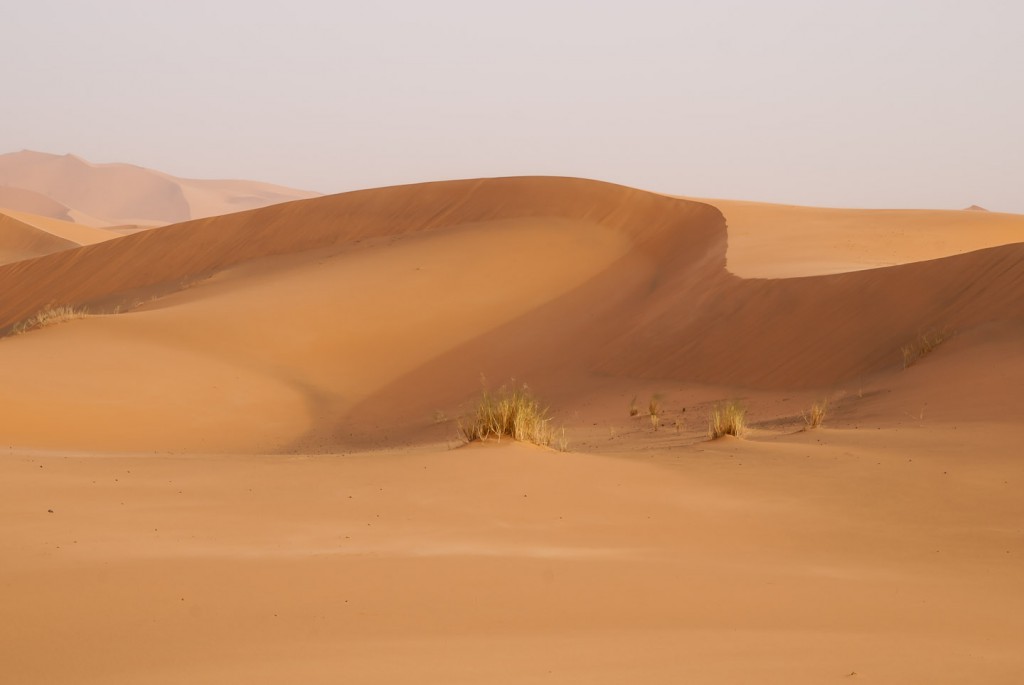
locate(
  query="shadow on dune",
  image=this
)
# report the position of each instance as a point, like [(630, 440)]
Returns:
[(667, 310)]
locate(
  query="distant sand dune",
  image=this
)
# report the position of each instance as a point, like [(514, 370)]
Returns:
[(21, 240), (21, 200), (784, 241), (116, 194), (25, 236)]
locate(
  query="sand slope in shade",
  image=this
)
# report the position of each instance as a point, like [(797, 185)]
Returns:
[(124, 194)]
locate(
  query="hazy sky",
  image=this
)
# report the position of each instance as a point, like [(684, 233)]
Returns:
[(897, 103)]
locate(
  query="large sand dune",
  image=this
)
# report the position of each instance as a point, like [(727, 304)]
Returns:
[(552, 280), (249, 474), (71, 188)]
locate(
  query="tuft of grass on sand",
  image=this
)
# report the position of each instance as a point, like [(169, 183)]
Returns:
[(513, 413), (727, 419), (654, 405), (49, 317), (921, 346), (563, 442), (633, 409), (815, 416), (653, 410)]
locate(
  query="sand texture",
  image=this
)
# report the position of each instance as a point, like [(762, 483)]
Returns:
[(243, 464)]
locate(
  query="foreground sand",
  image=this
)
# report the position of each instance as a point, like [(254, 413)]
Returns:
[(806, 558), (249, 474)]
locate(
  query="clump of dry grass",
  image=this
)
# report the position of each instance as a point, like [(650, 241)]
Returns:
[(514, 413), (920, 347), (727, 419), (815, 416), (633, 409), (563, 442), (653, 410), (49, 317)]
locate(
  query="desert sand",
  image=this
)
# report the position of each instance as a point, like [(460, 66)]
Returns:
[(243, 465), (70, 188)]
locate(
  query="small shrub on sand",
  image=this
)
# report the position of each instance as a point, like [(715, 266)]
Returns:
[(653, 410), (514, 413), (815, 416), (49, 317), (633, 409), (727, 419), (920, 347)]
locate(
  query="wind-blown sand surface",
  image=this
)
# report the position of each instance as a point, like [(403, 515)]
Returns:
[(252, 474)]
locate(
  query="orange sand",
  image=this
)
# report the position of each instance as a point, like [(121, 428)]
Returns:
[(253, 474)]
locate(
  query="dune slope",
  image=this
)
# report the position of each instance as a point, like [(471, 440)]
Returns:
[(21, 240), (785, 241), (312, 305), (21, 200)]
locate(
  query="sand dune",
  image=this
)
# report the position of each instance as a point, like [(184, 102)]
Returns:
[(784, 241), (555, 279), (21, 200), (24, 235), (123, 194), (21, 240), (246, 476)]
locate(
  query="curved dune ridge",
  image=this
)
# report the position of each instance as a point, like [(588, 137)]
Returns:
[(22, 200), (71, 188), (313, 324), (25, 236), (21, 240)]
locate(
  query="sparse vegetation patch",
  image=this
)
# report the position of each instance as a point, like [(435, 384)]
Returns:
[(653, 410), (513, 413), (727, 419), (920, 347), (815, 416), (49, 317)]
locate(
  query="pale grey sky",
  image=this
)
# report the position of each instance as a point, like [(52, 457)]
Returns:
[(898, 103)]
